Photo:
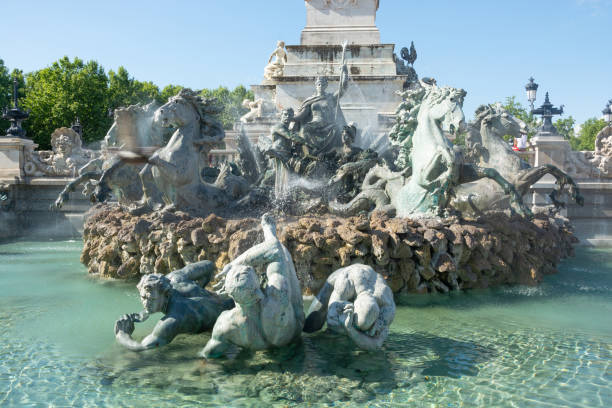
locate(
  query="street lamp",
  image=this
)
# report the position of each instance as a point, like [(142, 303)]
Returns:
[(547, 110), (532, 89), (607, 114), (15, 115)]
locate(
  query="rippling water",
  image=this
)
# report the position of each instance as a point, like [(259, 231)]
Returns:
[(548, 346)]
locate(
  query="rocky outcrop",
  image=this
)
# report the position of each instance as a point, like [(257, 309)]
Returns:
[(425, 255)]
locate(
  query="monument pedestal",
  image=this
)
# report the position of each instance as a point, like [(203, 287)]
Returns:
[(550, 148), (331, 22), (12, 156)]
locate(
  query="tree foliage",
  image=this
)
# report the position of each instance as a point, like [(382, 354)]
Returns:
[(6, 89), (56, 95), (168, 92), (517, 110), (231, 101), (588, 132), (565, 127), (67, 89), (124, 90)]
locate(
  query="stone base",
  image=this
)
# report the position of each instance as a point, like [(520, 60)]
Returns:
[(418, 256), (12, 156)]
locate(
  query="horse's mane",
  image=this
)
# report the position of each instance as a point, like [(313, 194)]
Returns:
[(485, 112), (408, 110), (208, 109)]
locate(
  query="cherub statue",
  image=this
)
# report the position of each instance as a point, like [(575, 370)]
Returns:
[(65, 158), (181, 297), (265, 316), (255, 110), (275, 68), (355, 301)]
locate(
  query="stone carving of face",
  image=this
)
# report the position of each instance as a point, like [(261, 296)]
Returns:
[(348, 137), (286, 116), (242, 285), (321, 85), (153, 290), (64, 145), (366, 311)]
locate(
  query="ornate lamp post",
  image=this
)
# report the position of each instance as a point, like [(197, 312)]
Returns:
[(532, 89), (15, 115), (77, 127), (547, 111), (607, 113)]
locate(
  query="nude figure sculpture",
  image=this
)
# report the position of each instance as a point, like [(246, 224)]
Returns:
[(355, 301), (265, 316)]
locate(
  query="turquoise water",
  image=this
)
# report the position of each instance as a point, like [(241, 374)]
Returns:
[(549, 346)]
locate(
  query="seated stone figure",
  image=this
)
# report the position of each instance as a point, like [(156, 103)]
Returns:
[(187, 307), (352, 163), (355, 301), (264, 317), (319, 119)]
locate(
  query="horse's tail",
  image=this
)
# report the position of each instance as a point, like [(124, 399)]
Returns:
[(360, 203)]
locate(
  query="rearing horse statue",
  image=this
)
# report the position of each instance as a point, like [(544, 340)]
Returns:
[(438, 168), (487, 149), (431, 169), (176, 166)]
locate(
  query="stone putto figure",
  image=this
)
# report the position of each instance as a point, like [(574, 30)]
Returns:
[(265, 316), (181, 297), (275, 67), (355, 301), (255, 110), (320, 120), (65, 159)]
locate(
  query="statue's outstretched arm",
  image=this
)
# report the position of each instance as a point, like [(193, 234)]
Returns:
[(162, 334), (260, 254), (202, 272), (365, 342), (217, 345), (302, 114)]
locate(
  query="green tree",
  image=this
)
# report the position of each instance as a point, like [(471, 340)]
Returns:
[(6, 89), (588, 132), (56, 95), (168, 92), (231, 101), (517, 110), (124, 90), (565, 127)]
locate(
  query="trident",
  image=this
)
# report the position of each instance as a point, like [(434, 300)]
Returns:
[(344, 44)]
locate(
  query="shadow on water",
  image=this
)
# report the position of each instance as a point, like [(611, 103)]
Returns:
[(445, 357), (322, 368)]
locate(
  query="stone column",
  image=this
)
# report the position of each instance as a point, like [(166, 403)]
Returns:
[(12, 156), (331, 22)]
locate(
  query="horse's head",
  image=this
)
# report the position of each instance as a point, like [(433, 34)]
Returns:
[(497, 121), (445, 106), (180, 110)]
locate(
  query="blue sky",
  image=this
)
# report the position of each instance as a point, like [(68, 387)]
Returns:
[(489, 48)]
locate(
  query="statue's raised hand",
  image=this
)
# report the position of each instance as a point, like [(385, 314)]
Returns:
[(219, 287), (125, 324), (347, 317)]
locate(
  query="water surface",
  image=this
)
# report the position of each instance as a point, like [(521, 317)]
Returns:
[(548, 346)]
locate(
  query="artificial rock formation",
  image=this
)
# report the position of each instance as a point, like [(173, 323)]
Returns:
[(419, 256)]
